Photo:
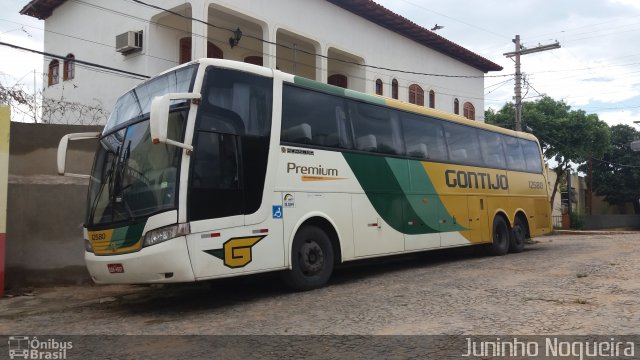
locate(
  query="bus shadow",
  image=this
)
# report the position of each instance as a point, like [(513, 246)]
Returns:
[(362, 269), (172, 299)]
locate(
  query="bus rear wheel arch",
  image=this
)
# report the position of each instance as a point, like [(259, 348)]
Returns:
[(312, 259)]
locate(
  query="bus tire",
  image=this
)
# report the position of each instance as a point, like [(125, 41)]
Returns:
[(518, 236), (500, 237), (312, 259)]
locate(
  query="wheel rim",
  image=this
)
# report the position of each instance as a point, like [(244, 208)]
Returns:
[(311, 258), (500, 236)]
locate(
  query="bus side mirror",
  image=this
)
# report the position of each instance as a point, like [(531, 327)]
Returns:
[(160, 118), (62, 151)]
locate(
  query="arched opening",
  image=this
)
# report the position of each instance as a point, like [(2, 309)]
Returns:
[(185, 50), (379, 87), (394, 89), (53, 72), (469, 111), (456, 106), (69, 68), (432, 99), (255, 60), (338, 80), (416, 95)]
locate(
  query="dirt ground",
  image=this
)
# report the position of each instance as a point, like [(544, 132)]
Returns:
[(562, 284)]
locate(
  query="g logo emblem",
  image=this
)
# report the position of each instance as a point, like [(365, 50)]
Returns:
[(236, 252)]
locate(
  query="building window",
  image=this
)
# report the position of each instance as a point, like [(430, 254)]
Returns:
[(456, 106), (69, 70), (432, 99), (185, 50), (394, 89), (416, 95), (255, 60), (469, 111), (338, 80), (53, 72), (379, 87)]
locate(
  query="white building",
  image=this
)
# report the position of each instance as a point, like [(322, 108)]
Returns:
[(352, 43)]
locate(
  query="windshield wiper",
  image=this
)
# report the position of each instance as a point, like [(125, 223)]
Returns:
[(118, 188)]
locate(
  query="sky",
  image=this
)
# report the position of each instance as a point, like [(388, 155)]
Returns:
[(597, 68)]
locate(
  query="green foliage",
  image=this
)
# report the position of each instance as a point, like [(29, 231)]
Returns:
[(566, 136), (617, 176)]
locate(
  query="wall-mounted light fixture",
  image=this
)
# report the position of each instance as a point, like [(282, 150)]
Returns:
[(235, 39)]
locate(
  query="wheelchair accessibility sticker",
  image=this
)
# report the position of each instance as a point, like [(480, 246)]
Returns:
[(277, 212)]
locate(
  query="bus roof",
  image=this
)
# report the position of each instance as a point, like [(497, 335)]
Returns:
[(353, 94)]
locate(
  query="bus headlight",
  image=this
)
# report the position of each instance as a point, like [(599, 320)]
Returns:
[(166, 233)]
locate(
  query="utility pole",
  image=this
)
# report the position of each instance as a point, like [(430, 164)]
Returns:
[(521, 50)]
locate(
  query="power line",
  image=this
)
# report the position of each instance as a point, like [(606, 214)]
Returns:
[(77, 61), (521, 50), (616, 164), (457, 20), (82, 39), (316, 54)]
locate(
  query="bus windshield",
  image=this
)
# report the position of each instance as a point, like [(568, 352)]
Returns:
[(131, 177), (137, 102)]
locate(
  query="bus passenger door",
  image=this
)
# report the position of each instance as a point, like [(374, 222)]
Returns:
[(220, 194)]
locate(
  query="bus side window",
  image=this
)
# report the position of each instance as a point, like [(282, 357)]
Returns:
[(313, 118), (215, 177), (463, 144), (424, 137), (515, 157), (492, 151), (236, 102), (531, 155), (375, 129)]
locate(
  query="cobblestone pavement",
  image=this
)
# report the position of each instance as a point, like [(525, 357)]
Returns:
[(569, 284)]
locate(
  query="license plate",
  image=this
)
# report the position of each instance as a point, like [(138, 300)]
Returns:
[(115, 268)]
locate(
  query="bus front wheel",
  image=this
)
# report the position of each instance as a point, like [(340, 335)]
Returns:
[(311, 259), (500, 235)]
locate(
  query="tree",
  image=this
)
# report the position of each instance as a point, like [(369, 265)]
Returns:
[(566, 136), (50, 110), (617, 175)]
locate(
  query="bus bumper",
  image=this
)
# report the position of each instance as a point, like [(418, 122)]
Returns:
[(166, 262)]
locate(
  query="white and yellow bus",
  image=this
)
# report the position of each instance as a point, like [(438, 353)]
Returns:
[(218, 168)]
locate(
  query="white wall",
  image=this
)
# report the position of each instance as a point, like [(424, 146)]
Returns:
[(329, 27)]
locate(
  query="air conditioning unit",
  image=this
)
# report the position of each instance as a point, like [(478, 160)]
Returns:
[(129, 42)]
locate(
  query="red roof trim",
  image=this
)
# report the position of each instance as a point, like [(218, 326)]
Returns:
[(366, 9), (386, 18), (41, 9)]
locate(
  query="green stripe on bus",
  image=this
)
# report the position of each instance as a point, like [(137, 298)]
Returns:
[(421, 186), (338, 91), (127, 236), (381, 184)]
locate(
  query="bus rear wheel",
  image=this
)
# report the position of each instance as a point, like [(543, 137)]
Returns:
[(500, 235), (311, 259), (518, 236)]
